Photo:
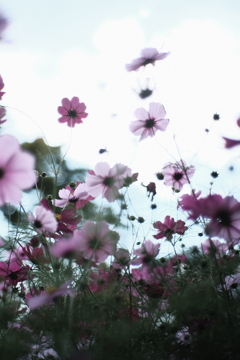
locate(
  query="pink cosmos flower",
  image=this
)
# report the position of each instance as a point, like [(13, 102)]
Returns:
[(148, 56), (146, 254), (189, 203), (49, 295), (177, 174), (230, 282), (106, 181), (149, 122), (44, 220), (122, 259), (224, 215), (214, 246), (72, 111), (78, 196), (16, 170), (169, 227), (2, 114), (97, 241), (13, 271)]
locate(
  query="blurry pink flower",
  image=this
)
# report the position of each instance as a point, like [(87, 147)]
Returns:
[(16, 170), (146, 254), (189, 203), (224, 215), (122, 259), (106, 181), (177, 174), (149, 122), (72, 111), (1, 80), (210, 246), (169, 227), (79, 197), (2, 114), (44, 220), (148, 56), (97, 241), (49, 295), (66, 247), (230, 282)]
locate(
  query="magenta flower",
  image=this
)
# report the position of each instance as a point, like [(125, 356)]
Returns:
[(44, 220), (97, 241), (149, 122), (13, 271), (189, 203), (169, 227), (66, 247), (106, 181), (16, 170), (79, 197), (148, 56), (146, 254), (72, 111), (177, 174), (1, 81), (224, 215)]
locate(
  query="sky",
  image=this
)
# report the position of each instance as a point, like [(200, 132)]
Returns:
[(54, 49)]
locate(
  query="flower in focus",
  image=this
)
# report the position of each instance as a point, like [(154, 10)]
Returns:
[(72, 111), (44, 220), (177, 174), (1, 83), (148, 56), (106, 181), (97, 241), (16, 170), (78, 196), (146, 254), (149, 122), (169, 227)]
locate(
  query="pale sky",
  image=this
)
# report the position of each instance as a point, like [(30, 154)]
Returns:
[(55, 48)]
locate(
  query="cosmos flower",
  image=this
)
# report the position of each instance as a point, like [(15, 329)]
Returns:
[(146, 254), (148, 56), (106, 181), (72, 111), (13, 271), (177, 174), (44, 220), (169, 227), (78, 196), (149, 122), (16, 170), (224, 215), (97, 241)]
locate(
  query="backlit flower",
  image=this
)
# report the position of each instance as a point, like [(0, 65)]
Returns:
[(44, 220), (72, 111), (78, 196), (148, 56), (106, 181), (16, 170), (97, 241), (146, 254), (149, 121), (177, 174), (169, 227)]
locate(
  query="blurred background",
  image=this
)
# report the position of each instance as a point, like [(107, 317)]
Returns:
[(54, 49)]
